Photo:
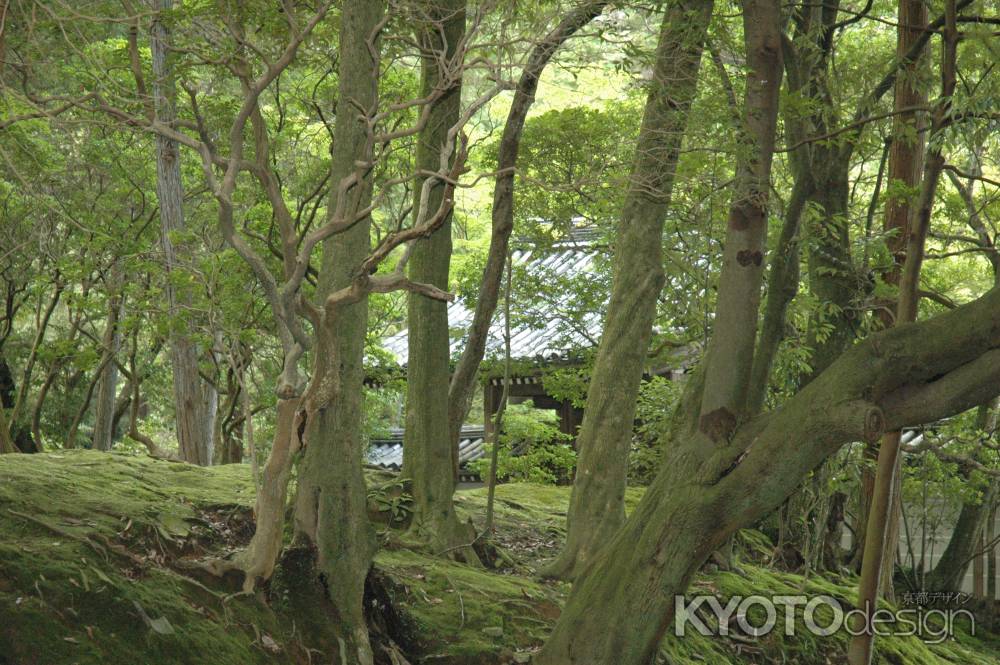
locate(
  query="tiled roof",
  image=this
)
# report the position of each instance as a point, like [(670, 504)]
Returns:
[(547, 341), (387, 452)]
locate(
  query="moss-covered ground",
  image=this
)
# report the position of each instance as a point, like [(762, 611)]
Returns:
[(93, 569)]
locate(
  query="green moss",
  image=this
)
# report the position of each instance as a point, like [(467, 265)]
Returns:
[(67, 595), (85, 536), (456, 609)]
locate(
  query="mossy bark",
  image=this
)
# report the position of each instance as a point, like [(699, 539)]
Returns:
[(258, 560), (597, 508), (331, 507), (429, 454), (623, 604)]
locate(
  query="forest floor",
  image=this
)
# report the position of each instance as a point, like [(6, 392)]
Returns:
[(96, 566)]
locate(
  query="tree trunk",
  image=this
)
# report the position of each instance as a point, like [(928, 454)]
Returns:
[(597, 508), (685, 515), (258, 560), (729, 356), (991, 553), (189, 410), (622, 605), (331, 507), (881, 533), (107, 385), (428, 456), (463, 381), (905, 163), (6, 443)]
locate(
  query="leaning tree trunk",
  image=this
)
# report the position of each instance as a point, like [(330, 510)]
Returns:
[(194, 444), (681, 518), (623, 604), (257, 561), (463, 381), (330, 512), (597, 508), (427, 447)]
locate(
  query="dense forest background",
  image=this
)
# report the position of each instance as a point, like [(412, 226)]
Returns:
[(231, 234)]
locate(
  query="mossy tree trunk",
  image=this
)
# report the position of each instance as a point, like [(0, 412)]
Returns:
[(330, 511), (597, 508), (429, 454), (6, 442), (193, 438), (628, 577), (621, 607)]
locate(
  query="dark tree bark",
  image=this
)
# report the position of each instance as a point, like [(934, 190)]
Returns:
[(428, 458), (905, 164), (190, 414), (597, 508), (881, 533)]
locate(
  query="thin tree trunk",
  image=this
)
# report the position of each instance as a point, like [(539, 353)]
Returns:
[(74, 428), (979, 568), (428, 458), (258, 560), (463, 381), (189, 411), (502, 407), (991, 553), (905, 163), (107, 386), (41, 327), (597, 508), (880, 537)]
